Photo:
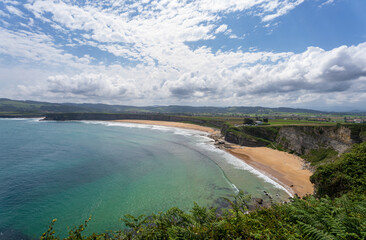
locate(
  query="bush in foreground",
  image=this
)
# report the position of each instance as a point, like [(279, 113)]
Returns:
[(308, 218), (342, 215)]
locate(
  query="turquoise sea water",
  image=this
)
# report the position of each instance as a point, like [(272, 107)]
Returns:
[(73, 170)]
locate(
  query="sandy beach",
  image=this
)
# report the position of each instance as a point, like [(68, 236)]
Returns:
[(173, 124), (286, 169)]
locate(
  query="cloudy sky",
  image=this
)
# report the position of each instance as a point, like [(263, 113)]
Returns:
[(297, 53)]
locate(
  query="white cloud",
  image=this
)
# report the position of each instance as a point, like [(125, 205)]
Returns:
[(161, 25), (281, 9), (221, 29), (314, 70), (11, 2), (164, 68), (91, 85), (15, 11), (3, 14), (257, 78), (35, 47), (327, 2)]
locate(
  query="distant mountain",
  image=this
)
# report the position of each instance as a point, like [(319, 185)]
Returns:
[(17, 106)]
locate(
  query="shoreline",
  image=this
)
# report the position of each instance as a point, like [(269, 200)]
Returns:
[(172, 124), (283, 168)]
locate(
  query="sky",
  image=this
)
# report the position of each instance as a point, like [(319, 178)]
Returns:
[(273, 53)]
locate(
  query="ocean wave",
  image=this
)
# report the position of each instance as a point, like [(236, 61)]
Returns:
[(174, 130), (206, 143), (23, 119), (240, 164)]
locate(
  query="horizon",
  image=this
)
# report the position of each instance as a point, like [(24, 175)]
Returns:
[(287, 53), (197, 106)]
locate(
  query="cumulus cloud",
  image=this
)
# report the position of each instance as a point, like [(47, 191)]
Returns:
[(314, 70), (221, 29), (314, 75), (90, 85), (155, 65)]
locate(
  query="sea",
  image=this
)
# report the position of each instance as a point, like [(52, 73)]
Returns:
[(74, 170)]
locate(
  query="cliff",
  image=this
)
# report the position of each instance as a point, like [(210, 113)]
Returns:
[(302, 140)]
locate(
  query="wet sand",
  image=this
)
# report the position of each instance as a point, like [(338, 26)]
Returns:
[(286, 169)]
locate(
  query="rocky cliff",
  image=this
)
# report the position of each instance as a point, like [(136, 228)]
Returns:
[(302, 139), (298, 139)]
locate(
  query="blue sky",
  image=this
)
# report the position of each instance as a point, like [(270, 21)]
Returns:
[(296, 53)]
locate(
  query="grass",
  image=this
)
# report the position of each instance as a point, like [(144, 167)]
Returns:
[(277, 122), (298, 122)]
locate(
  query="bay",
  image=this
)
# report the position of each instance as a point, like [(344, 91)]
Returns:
[(73, 170)]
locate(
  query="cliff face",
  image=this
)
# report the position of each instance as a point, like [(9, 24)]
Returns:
[(299, 139), (244, 140), (249, 136), (302, 139)]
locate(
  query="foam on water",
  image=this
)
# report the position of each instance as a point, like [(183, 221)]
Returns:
[(204, 142), (239, 164), (174, 130), (23, 119)]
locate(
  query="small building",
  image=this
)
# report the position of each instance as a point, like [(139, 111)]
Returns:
[(358, 120)]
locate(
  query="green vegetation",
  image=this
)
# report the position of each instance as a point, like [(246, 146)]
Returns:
[(238, 136), (282, 122), (320, 156), (234, 115), (337, 211), (308, 218), (346, 174)]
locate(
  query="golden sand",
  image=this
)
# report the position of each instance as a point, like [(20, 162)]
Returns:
[(173, 124), (286, 168)]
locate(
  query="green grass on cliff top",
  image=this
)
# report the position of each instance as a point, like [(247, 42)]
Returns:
[(298, 122)]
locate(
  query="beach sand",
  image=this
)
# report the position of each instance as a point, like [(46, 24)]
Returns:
[(286, 169), (173, 124)]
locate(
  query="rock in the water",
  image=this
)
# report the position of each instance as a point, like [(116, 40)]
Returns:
[(259, 200)]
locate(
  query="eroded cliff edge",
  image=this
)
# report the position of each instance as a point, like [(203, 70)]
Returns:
[(302, 140)]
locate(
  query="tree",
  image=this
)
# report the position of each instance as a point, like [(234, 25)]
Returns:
[(248, 121)]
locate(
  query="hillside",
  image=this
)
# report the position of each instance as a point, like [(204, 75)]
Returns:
[(15, 106)]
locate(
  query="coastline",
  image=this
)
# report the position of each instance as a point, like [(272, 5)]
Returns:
[(173, 124), (284, 168)]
